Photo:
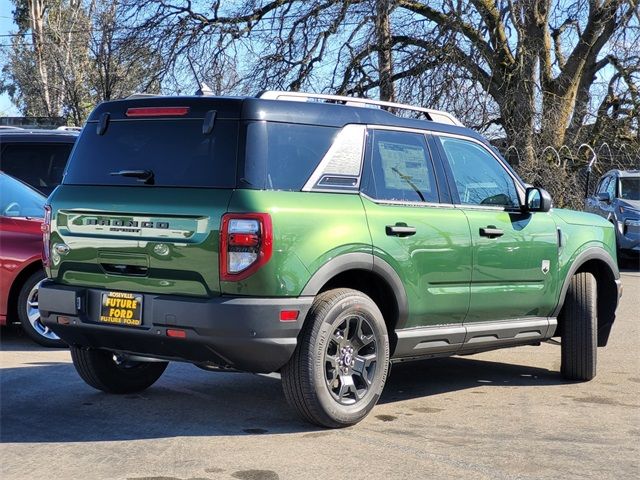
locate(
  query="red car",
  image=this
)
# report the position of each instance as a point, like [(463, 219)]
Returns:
[(21, 212)]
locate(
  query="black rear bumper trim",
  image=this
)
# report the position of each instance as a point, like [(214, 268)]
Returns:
[(244, 333)]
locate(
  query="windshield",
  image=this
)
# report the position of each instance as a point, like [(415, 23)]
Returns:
[(630, 188), (176, 152), (18, 200)]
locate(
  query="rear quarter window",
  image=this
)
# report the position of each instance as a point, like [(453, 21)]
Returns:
[(282, 156), (176, 151)]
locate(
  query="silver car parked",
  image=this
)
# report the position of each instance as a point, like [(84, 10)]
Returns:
[(617, 198)]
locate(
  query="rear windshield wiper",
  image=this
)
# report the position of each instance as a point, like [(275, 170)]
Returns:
[(144, 176)]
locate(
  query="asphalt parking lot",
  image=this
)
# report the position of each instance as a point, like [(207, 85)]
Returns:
[(499, 415)]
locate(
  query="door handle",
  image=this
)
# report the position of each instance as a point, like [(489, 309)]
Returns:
[(491, 231), (400, 230)]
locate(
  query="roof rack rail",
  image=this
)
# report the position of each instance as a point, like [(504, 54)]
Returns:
[(433, 115)]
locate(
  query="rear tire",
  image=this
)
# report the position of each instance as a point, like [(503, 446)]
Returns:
[(579, 329), (103, 370), (339, 368)]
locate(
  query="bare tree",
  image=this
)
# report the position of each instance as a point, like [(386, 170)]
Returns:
[(122, 63), (527, 66)]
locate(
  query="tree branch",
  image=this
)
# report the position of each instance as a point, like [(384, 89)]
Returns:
[(454, 22)]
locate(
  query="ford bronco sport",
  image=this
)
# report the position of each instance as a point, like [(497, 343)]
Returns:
[(317, 236)]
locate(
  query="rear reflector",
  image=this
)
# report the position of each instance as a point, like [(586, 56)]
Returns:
[(157, 111), (289, 315), (171, 332), (243, 239), (63, 320)]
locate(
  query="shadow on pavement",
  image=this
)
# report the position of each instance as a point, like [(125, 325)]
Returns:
[(629, 264), (13, 339), (48, 402), (442, 375)]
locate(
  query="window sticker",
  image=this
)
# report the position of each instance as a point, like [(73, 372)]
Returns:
[(402, 163)]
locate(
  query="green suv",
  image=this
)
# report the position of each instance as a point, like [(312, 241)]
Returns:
[(317, 236)]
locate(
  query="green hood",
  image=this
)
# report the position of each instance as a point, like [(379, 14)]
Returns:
[(574, 217)]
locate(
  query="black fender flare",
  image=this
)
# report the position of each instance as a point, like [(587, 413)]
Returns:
[(592, 253), (604, 323), (361, 261)]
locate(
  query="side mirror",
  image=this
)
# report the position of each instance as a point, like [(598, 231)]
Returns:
[(538, 200), (604, 197)]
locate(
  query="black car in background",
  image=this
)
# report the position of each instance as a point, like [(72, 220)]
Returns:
[(617, 198), (37, 157)]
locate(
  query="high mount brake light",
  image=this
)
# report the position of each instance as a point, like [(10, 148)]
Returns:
[(46, 235), (246, 243), (157, 111)]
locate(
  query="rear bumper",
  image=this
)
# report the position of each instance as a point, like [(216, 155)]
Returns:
[(234, 332)]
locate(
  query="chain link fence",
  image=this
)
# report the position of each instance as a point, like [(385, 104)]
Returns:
[(569, 174)]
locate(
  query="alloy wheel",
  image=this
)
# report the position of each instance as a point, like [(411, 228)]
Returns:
[(350, 359)]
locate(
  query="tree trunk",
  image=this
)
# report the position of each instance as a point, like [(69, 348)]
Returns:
[(385, 60), (517, 103), (556, 114), (36, 20)]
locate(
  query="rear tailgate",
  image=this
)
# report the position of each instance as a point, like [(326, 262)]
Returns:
[(141, 201), (156, 240)]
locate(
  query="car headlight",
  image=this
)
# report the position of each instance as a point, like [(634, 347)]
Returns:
[(628, 210)]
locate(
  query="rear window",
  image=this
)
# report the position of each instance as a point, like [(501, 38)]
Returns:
[(176, 151), (282, 156)]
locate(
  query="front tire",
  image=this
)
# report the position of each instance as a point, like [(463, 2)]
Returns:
[(29, 315), (106, 371), (579, 329), (339, 368)]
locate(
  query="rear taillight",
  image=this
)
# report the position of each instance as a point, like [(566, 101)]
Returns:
[(46, 235), (246, 242)]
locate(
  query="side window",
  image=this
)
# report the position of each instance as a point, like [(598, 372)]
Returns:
[(41, 166), (603, 185), (611, 188), (400, 168), (479, 177)]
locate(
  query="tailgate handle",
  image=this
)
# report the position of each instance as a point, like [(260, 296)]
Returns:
[(120, 269)]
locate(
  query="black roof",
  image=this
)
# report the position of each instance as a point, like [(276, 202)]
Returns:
[(252, 108)]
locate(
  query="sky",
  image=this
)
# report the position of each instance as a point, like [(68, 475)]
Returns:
[(6, 26)]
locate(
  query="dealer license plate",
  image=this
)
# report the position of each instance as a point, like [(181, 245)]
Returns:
[(121, 308)]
